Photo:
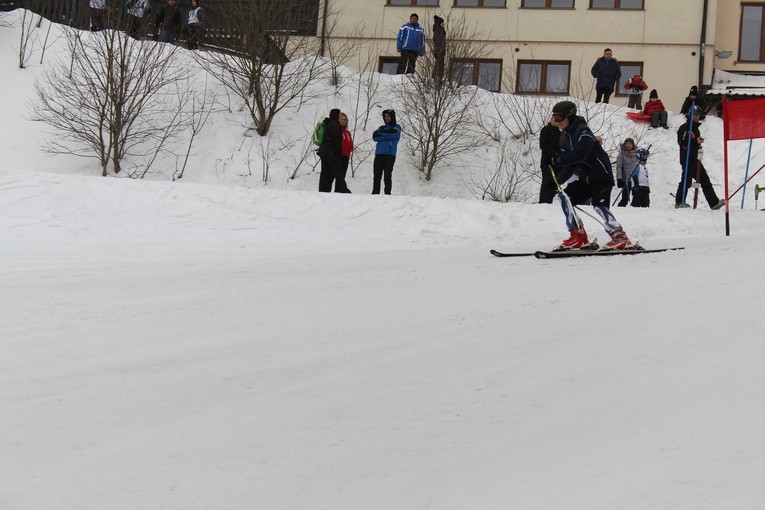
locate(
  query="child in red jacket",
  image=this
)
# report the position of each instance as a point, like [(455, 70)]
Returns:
[(655, 108)]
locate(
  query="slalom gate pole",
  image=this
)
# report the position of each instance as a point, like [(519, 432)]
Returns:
[(746, 173)]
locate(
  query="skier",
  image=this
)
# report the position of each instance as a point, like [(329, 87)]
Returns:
[(582, 156)]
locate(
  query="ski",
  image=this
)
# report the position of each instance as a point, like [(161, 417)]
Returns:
[(593, 246), (503, 254), (600, 253)]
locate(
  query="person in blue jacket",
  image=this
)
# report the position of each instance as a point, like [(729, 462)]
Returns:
[(410, 44), (387, 137), (607, 73), (582, 156)]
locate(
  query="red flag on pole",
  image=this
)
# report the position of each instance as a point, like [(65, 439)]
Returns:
[(744, 119)]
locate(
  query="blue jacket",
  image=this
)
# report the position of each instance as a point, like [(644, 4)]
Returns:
[(411, 37), (387, 136), (581, 154)]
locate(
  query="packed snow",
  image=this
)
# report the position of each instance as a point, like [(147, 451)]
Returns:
[(220, 342)]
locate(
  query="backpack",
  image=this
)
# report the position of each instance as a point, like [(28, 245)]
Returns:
[(318, 134)]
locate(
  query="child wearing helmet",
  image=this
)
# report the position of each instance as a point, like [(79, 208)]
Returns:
[(582, 156), (640, 189)]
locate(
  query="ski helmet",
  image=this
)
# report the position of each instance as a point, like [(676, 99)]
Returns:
[(642, 155), (565, 108)]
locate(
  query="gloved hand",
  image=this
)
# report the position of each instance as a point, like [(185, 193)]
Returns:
[(635, 182), (619, 183)]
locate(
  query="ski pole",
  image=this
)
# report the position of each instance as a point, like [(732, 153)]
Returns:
[(568, 199)]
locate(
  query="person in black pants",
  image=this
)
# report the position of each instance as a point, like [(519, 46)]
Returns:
[(387, 137), (690, 142), (549, 142), (330, 151)]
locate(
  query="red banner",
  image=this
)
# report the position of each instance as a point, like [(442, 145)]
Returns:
[(744, 119)]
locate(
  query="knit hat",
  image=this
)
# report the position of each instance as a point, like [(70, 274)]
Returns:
[(654, 94), (438, 20), (694, 91), (636, 79), (629, 140)]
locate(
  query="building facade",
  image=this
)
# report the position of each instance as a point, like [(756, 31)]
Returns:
[(549, 46)]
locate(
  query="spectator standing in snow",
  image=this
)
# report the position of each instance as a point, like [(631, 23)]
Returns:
[(330, 150), (581, 155), (655, 108), (168, 23), (136, 10), (345, 155), (693, 98), (635, 86), (607, 74), (194, 25), (549, 143), (387, 137), (410, 43), (641, 191), (97, 15), (626, 162), (690, 141), (439, 47)]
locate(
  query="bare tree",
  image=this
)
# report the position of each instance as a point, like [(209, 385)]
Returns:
[(273, 60), (508, 180), (112, 97), (30, 22), (441, 111)]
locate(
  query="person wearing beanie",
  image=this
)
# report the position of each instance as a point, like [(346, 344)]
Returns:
[(655, 109), (607, 74), (626, 162), (439, 47), (330, 151), (689, 139), (693, 99), (410, 43), (636, 86)]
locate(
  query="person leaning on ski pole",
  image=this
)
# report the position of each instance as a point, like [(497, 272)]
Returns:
[(582, 156)]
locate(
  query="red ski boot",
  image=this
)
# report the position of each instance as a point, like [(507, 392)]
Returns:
[(578, 239), (619, 240)]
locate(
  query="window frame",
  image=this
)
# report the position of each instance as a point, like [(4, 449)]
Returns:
[(542, 78), (546, 6), (413, 3), (479, 6), (476, 70), (620, 90), (761, 5), (384, 59), (617, 7)]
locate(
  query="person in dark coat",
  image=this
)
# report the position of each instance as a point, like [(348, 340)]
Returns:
[(690, 141), (607, 73), (168, 23), (549, 142), (330, 151), (387, 137), (581, 155), (439, 47), (693, 99)]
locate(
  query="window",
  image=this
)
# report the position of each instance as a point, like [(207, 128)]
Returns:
[(629, 69), (479, 3), (547, 4), (423, 3), (483, 73), (616, 4), (541, 77), (388, 65), (751, 44)]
